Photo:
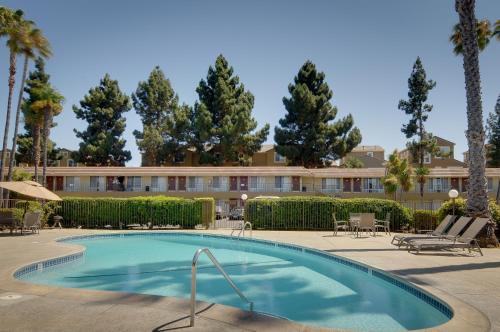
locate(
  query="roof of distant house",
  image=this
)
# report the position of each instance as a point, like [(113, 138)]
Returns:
[(361, 148)]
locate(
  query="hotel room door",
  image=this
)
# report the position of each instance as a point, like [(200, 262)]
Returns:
[(233, 183)]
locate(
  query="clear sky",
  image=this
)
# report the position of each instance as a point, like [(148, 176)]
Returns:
[(366, 49)]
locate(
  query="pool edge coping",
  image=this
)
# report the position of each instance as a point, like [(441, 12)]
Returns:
[(464, 316)]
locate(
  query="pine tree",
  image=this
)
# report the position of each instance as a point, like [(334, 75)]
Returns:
[(103, 108), (29, 143), (493, 133), (165, 123), (307, 135), (416, 107), (223, 127)]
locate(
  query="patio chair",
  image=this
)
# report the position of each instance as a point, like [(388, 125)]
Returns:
[(342, 224), (8, 220), (366, 223), (385, 225), (32, 221), (398, 239), (452, 234), (465, 241), (353, 221)]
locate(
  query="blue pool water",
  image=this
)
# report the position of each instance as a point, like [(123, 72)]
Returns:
[(288, 282)]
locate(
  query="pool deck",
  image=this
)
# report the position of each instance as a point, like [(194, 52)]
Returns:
[(463, 281)]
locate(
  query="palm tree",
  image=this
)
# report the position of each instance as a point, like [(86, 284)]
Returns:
[(399, 175), (496, 32), (48, 103), (483, 32), (477, 198), (35, 42), (9, 26)]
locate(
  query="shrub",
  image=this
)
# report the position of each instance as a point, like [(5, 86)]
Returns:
[(312, 212), (460, 209), (17, 213), (425, 219), (157, 210)]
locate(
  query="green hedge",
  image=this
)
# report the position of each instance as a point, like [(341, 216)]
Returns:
[(460, 209), (311, 212), (16, 212), (157, 210), (425, 219)]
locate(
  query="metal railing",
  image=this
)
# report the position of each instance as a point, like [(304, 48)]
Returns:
[(221, 270), (242, 229)]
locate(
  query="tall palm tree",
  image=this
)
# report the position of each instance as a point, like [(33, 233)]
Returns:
[(483, 32), (9, 26), (496, 32), (49, 103), (35, 42), (477, 198)]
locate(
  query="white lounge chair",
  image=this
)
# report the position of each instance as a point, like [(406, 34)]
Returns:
[(338, 225), (32, 221), (400, 239), (465, 241)]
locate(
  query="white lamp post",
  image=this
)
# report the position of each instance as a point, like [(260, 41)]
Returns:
[(453, 193), (244, 198)]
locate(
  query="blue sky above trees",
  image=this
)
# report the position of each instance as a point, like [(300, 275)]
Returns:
[(365, 48)]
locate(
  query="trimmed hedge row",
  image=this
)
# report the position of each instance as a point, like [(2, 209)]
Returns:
[(311, 212), (156, 210)]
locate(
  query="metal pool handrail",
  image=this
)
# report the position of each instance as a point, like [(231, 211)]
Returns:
[(242, 229), (221, 270)]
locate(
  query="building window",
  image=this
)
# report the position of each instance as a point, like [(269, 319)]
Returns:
[(71, 183), (369, 153), (71, 163), (444, 152), (155, 183), (427, 158), (216, 182), (179, 157), (278, 182), (94, 183), (330, 184), (372, 185), (490, 184), (134, 183), (438, 185), (195, 183), (256, 183), (279, 158)]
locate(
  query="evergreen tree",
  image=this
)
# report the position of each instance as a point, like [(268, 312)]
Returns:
[(165, 123), (307, 135), (416, 107), (223, 126), (103, 108), (493, 133), (29, 149)]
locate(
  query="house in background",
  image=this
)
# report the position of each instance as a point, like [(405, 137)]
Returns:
[(266, 156), (372, 156), (446, 159)]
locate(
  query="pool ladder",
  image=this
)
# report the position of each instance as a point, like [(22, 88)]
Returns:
[(221, 270), (242, 229)]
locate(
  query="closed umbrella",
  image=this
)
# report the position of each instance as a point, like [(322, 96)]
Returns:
[(31, 189)]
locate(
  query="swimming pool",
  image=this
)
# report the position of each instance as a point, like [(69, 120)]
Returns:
[(300, 284)]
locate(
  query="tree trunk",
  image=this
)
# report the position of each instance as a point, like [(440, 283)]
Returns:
[(46, 132), (16, 126), (12, 81), (477, 197), (36, 148)]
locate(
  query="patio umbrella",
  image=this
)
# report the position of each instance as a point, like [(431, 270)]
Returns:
[(31, 189)]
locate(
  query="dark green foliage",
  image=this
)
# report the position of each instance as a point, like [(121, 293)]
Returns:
[(166, 124), (307, 135), (425, 219), (103, 108), (17, 213), (24, 151), (460, 209), (418, 109), (306, 213), (223, 126), (48, 209), (157, 210), (493, 133)]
